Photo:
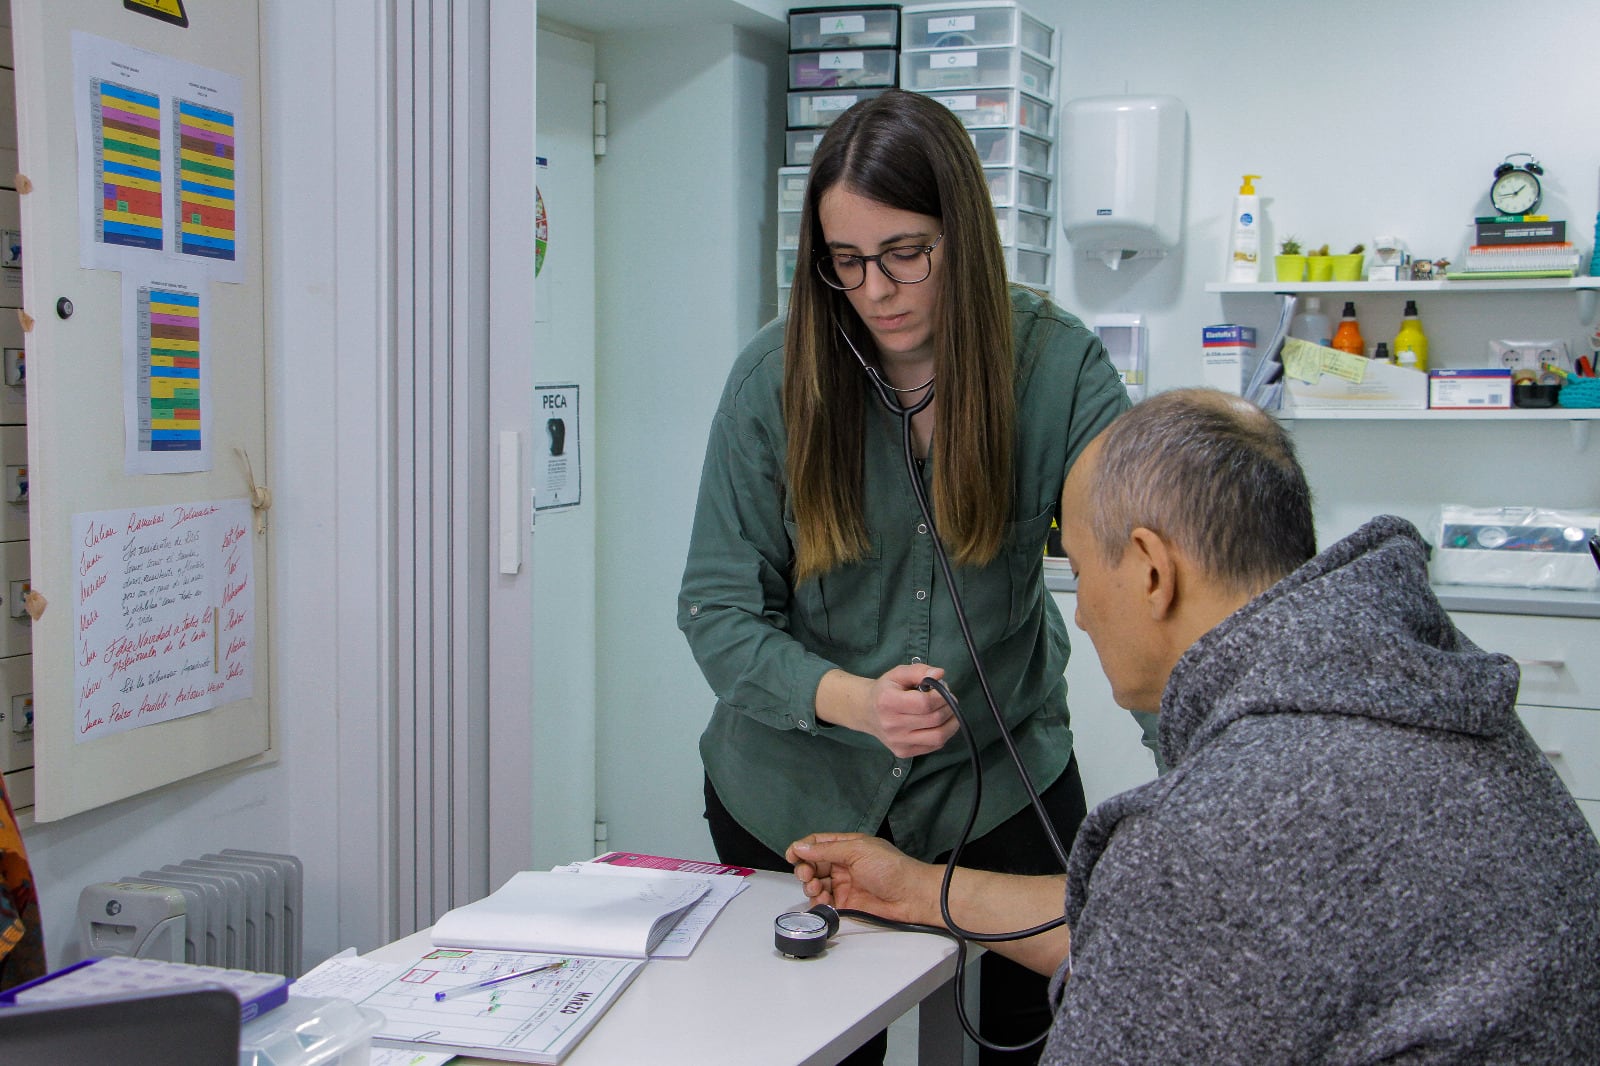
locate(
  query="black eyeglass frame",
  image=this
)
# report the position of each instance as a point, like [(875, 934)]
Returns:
[(829, 257)]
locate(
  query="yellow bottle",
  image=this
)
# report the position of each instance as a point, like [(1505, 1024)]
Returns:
[(1411, 344)]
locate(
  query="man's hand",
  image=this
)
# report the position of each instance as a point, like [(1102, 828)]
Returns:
[(859, 872)]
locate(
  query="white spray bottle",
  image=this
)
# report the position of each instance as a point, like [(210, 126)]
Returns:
[(1244, 243)]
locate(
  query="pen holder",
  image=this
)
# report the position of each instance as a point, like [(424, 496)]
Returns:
[(1580, 392)]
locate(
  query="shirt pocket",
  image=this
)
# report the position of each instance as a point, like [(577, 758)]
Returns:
[(1004, 593), (841, 608)]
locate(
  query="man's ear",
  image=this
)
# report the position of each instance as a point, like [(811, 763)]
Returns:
[(1157, 568)]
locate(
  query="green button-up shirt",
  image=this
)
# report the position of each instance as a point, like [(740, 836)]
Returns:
[(764, 643)]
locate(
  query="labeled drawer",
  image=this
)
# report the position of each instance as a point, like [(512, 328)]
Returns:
[(1570, 739), (850, 68), (974, 25), (1012, 148), (792, 187), (1557, 655), (818, 108), (843, 27), (998, 107), (800, 147), (1009, 187), (973, 68), (1022, 227)]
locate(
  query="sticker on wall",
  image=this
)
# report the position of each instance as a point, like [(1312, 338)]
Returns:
[(165, 10), (541, 231)]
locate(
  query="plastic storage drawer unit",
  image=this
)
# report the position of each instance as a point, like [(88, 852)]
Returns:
[(853, 68), (1017, 188), (1012, 148), (789, 229), (811, 28), (800, 146), (792, 187), (971, 68), (975, 25), (1018, 226), (1027, 266), (998, 107), (816, 108)]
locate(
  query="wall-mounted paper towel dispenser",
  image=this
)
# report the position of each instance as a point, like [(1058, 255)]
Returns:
[(1122, 164)]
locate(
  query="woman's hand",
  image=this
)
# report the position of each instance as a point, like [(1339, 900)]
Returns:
[(908, 721)]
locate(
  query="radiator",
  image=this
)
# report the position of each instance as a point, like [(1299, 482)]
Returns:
[(234, 908)]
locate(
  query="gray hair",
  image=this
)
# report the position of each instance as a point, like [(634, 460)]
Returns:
[(1213, 474)]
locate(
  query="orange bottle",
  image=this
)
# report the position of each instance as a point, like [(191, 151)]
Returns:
[(1347, 337)]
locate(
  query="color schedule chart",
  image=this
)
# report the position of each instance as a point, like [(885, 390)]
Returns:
[(205, 187), (169, 370), (127, 163)]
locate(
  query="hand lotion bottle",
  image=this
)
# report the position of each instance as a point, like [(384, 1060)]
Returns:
[(1244, 243)]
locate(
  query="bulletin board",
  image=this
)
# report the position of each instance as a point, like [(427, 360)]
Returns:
[(139, 159)]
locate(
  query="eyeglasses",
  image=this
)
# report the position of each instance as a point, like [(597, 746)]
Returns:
[(904, 264)]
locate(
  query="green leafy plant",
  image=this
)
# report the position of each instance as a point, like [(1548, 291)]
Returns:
[(1357, 250), (1289, 246), (1321, 251)]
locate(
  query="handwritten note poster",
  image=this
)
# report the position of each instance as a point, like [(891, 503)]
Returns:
[(164, 612)]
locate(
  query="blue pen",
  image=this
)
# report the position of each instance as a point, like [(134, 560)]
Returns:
[(479, 986)]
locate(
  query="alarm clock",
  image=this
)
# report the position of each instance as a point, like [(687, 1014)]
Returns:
[(1516, 189)]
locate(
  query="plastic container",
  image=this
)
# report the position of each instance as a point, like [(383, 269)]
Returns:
[(848, 68), (788, 229), (1028, 266), (975, 68), (998, 107), (792, 187), (998, 22), (1017, 188), (310, 1031), (1244, 238), (1411, 344), (838, 27), (1022, 227), (818, 108), (1312, 324), (800, 147), (1347, 336), (1012, 148)]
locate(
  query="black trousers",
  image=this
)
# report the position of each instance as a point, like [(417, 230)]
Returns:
[(1013, 1001)]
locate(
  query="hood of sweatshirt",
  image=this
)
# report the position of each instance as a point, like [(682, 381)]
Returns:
[(1355, 631)]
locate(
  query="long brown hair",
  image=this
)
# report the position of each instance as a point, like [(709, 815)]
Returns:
[(910, 153)]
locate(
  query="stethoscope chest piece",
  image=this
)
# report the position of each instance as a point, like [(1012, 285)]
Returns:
[(804, 934)]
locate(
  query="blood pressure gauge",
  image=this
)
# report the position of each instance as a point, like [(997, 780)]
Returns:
[(804, 934)]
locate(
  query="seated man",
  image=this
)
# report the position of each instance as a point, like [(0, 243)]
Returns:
[(1357, 855)]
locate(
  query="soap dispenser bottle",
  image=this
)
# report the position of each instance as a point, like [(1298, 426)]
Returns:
[(1244, 242), (1411, 344), (1347, 338)]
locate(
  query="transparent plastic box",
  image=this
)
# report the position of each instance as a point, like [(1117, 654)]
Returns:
[(1023, 227), (792, 187), (980, 24), (972, 68), (1009, 187), (848, 68), (788, 229), (1028, 266), (786, 265), (818, 108), (800, 146), (998, 107), (310, 1031), (1011, 147), (843, 27)]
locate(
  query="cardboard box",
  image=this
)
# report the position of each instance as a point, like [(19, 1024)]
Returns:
[(1469, 390), (1228, 349), (1321, 378)]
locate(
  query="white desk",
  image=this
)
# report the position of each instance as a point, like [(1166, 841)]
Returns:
[(737, 1001)]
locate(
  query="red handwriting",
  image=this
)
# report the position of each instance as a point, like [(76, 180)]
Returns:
[(233, 536), (96, 534), (147, 705), (231, 591), (87, 619), (89, 658), (185, 694), (236, 644), (137, 522), (91, 725), (85, 591), (185, 514), (89, 564), (118, 714), (89, 690), (234, 618), (234, 670)]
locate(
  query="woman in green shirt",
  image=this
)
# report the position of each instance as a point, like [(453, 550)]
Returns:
[(812, 597)]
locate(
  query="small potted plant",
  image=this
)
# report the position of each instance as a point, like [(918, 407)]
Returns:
[(1319, 265), (1347, 267), (1289, 264)]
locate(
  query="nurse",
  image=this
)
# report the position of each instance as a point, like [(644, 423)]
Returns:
[(812, 597)]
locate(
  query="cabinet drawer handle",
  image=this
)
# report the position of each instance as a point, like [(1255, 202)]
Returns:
[(1548, 664)]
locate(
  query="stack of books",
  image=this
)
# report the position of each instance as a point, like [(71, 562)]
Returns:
[(1519, 246)]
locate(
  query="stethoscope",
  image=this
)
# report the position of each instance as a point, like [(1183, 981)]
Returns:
[(804, 934)]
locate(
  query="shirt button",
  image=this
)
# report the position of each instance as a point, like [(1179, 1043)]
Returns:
[(916, 658), (895, 771), (922, 527), (694, 609), (803, 724), (922, 594)]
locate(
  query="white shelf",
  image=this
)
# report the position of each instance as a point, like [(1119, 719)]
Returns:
[(1417, 414), (1503, 285)]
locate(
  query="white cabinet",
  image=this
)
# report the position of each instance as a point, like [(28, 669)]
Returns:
[(1559, 700)]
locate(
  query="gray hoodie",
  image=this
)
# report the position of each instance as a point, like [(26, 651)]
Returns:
[(1358, 855)]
